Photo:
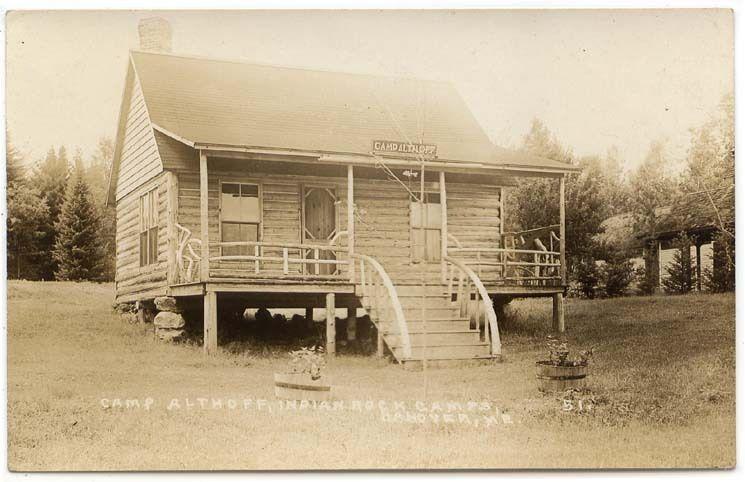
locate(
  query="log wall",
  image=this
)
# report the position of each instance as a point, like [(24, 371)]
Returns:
[(132, 280), (382, 223)]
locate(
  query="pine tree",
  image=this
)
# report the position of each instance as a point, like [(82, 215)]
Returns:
[(13, 162), (681, 272), (97, 176), (28, 218), (50, 181), (77, 249)]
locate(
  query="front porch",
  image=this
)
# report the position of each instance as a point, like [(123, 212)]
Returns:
[(360, 241)]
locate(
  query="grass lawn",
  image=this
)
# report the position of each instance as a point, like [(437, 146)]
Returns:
[(661, 394)]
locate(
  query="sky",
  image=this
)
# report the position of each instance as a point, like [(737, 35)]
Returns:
[(596, 78)]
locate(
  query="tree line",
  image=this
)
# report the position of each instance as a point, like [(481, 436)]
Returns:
[(647, 195), (59, 227)]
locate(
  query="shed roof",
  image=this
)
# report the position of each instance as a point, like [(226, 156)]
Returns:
[(208, 102)]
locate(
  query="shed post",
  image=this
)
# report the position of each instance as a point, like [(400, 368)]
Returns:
[(204, 217), (444, 227), (562, 231), (309, 317), (210, 323), (558, 313), (330, 324), (350, 220)]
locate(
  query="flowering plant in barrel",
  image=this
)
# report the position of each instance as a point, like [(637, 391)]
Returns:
[(308, 360), (304, 379), (561, 372)]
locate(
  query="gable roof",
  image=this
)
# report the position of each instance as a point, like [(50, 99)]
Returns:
[(203, 102), (227, 103)]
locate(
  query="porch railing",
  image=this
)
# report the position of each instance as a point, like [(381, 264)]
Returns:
[(379, 295), (535, 260), (318, 261), (473, 300)]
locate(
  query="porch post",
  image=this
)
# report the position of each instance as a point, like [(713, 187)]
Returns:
[(501, 215), (204, 217), (210, 323), (562, 231), (444, 227), (350, 220), (330, 324), (173, 270)]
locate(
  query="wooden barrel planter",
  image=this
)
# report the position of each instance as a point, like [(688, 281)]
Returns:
[(552, 378), (300, 386)]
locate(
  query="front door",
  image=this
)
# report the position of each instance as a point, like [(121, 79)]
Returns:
[(319, 226)]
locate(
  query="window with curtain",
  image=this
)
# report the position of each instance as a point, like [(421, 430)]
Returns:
[(240, 217)]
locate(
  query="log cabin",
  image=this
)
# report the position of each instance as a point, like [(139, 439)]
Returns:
[(283, 187)]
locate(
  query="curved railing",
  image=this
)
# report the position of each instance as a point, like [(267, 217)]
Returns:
[(377, 286), (468, 279), (187, 258)]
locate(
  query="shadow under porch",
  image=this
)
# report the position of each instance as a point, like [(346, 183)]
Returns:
[(218, 311)]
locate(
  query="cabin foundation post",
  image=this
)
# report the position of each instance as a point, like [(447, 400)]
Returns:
[(169, 321), (330, 324), (351, 323), (558, 312), (309, 317), (210, 323), (380, 350), (698, 266)]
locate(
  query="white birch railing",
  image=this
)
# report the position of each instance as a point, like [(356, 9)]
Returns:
[(379, 293), (473, 301), (287, 259), (540, 266), (186, 256)]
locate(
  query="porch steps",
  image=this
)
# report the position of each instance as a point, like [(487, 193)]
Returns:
[(436, 329)]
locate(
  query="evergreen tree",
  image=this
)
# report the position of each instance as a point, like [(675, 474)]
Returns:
[(720, 277), (28, 218), (97, 176), (681, 272), (13, 162), (50, 181), (77, 249)]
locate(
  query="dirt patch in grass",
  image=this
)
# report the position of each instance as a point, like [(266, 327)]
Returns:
[(661, 394)]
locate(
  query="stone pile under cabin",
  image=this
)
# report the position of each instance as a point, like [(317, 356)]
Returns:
[(240, 185)]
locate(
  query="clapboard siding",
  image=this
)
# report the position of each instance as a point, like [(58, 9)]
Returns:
[(140, 159), (132, 280)]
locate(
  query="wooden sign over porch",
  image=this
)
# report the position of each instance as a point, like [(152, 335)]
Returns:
[(428, 151)]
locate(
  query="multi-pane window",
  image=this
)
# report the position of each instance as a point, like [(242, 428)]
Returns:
[(149, 228), (240, 217), (426, 228)]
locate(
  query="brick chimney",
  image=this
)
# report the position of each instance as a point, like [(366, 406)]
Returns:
[(155, 34)]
